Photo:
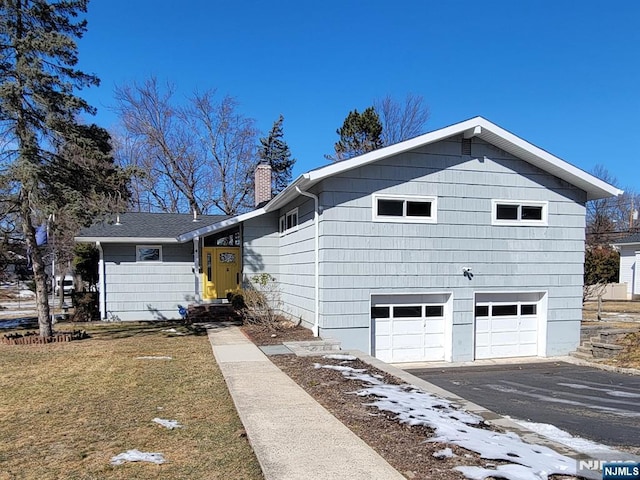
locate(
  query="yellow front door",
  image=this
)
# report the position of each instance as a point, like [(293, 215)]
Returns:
[(221, 271)]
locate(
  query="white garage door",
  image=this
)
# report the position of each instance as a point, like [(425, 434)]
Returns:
[(409, 332), (507, 325)]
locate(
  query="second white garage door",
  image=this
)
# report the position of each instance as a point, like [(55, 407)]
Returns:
[(506, 324)]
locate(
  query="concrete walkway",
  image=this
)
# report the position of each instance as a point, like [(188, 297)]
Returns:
[(292, 435)]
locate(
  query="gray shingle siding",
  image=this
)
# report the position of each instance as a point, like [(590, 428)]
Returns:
[(149, 290), (360, 257)]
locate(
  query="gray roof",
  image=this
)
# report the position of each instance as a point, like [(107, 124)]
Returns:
[(148, 225), (635, 238)]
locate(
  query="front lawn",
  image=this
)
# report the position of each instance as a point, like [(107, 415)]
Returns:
[(67, 409)]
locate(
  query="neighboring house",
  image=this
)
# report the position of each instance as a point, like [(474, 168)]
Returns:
[(463, 243), (629, 249)]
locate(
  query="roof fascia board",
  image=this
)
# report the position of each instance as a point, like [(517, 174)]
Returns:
[(127, 239), (220, 225), (391, 150), (546, 156), (626, 243)]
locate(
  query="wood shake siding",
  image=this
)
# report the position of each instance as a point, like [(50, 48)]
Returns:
[(360, 257), (148, 290)]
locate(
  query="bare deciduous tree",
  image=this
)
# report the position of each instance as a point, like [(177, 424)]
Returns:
[(401, 120), (159, 147), (197, 155), (609, 219), (227, 144)]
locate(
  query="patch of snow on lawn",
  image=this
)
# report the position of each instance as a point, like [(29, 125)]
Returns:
[(444, 453), (137, 456), (452, 425), (170, 424), (174, 331)]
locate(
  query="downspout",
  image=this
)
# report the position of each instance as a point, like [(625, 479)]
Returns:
[(103, 283), (316, 216)]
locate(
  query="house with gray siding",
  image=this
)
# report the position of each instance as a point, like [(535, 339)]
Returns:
[(463, 243), (629, 274)]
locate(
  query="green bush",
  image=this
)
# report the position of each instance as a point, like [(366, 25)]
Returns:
[(601, 265)]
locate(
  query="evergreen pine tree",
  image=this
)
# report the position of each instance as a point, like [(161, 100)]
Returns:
[(275, 151), (359, 134), (38, 112)]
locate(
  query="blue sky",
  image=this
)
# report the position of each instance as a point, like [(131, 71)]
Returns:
[(564, 75)]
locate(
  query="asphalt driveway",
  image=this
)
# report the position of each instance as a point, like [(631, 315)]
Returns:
[(591, 403)]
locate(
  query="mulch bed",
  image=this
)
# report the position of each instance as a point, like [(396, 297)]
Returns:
[(403, 446), (275, 335)]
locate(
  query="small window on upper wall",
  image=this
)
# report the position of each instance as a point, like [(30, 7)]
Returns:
[(406, 209), (289, 221), (149, 253), (508, 212)]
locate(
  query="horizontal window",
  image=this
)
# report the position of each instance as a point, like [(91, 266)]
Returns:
[(289, 221), (507, 212), (380, 312), (433, 311), (506, 310), (407, 312), (149, 253), (396, 208)]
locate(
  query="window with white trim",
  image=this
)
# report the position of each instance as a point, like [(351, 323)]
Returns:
[(289, 221), (149, 253), (509, 212), (404, 209)]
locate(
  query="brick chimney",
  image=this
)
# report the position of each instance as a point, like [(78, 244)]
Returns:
[(263, 183)]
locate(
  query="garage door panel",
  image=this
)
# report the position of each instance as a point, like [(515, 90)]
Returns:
[(383, 342), (433, 341), (482, 340), (407, 355), (434, 327), (383, 327), (402, 327), (504, 338), (528, 337), (504, 324), (407, 341), (482, 325), (528, 324), (384, 354)]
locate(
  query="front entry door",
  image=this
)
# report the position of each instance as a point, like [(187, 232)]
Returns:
[(221, 272)]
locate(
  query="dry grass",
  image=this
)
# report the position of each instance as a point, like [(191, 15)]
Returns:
[(630, 356), (612, 309), (66, 409)]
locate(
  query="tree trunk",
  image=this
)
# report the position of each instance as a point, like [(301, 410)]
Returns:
[(39, 275)]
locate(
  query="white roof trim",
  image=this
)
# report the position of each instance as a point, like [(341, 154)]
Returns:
[(148, 240), (220, 225), (477, 126)]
